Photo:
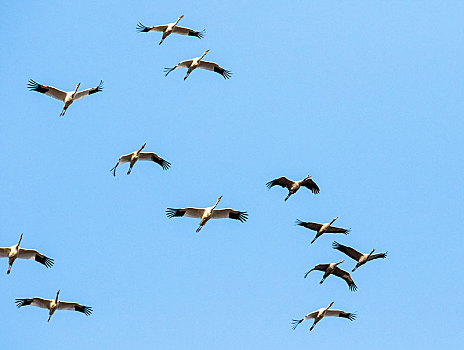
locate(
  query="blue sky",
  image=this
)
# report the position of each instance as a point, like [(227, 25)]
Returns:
[(364, 96)]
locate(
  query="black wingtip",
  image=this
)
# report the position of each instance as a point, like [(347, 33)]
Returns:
[(298, 222), (295, 323), (270, 184), (165, 165), (168, 70), (141, 28), (353, 287), (171, 212), (336, 245)]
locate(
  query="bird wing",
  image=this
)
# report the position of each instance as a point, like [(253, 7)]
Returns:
[(320, 267), (309, 183), (185, 64), (346, 276), (33, 254), (215, 68), (141, 28), (333, 229), (242, 216), (155, 158), (281, 181), (378, 256), (66, 305), (125, 158), (187, 31), (88, 92), (47, 90), (4, 252), (309, 225), (352, 253), (39, 302), (295, 323), (340, 313), (189, 212)]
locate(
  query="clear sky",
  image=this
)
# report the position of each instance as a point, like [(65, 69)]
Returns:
[(365, 96)]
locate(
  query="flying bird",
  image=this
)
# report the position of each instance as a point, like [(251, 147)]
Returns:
[(67, 97), (170, 28), (208, 213), (321, 313), (294, 186), (14, 252), (322, 228), (54, 304), (333, 269), (359, 257), (137, 155), (198, 63)]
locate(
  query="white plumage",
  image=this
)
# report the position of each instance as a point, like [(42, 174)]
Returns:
[(67, 97), (205, 214)]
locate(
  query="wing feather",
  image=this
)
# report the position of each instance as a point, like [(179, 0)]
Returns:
[(189, 212), (346, 276), (143, 29), (33, 254), (309, 225), (229, 213), (281, 181), (66, 305), (352, 253), (47, 90), (39, 302), (88, 92), (212, 66), (155, 158)]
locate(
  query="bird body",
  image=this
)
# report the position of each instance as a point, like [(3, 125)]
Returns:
[(205, 214), (294, 186), (15, 252), (133, 157), (359, 257), (168, 29), (321, 313), (197, 62), (333, 269), (67, 97), (54, 304), (322, 228)]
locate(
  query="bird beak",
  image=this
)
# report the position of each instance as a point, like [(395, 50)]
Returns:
[(181, 16), (77, 87), (143, 146), (206, 51), (335, 218), (342, 261), (331, 304), (219, 198)]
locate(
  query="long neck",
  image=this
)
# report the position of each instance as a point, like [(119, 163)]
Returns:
[(332, 222), (56, 299), (372, 252), (20, 238), (204, 54), (176, 22), (214, 206)]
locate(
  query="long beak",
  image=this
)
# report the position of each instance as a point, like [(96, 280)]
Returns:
[(141, 148)]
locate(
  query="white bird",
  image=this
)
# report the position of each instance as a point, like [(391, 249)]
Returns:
[(137, 155), (198, 63), (53, 305), (294, 186), (321, 313), (333, 269), (322, 228), (67, 97), (170, 28), (14, 252), (359, 257), (208, 213)]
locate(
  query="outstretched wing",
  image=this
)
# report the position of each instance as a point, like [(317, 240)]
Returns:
[(320, 267), (378, 256), (242, 216), (183, 64), (155, 158), (352, 253), (309, 225), (188, 31), (346, 276), (281, 181), (88, 92), (295, 323), (189, 212), (47, 90), (65, 305), (215, 68), (33, 254), (39, 302), (340, 313), (309, 183), (142, 29), (333, 229), (4, 252)]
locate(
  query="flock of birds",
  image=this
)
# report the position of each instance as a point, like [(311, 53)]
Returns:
[(204, 214)]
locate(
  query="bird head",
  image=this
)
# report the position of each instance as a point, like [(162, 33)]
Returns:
[(330, 304), (57, 293), (206, 52), (335, 218), (219, 198), (77, 86), (20, 238), (341, 262), (143, 146), (180, 17)]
